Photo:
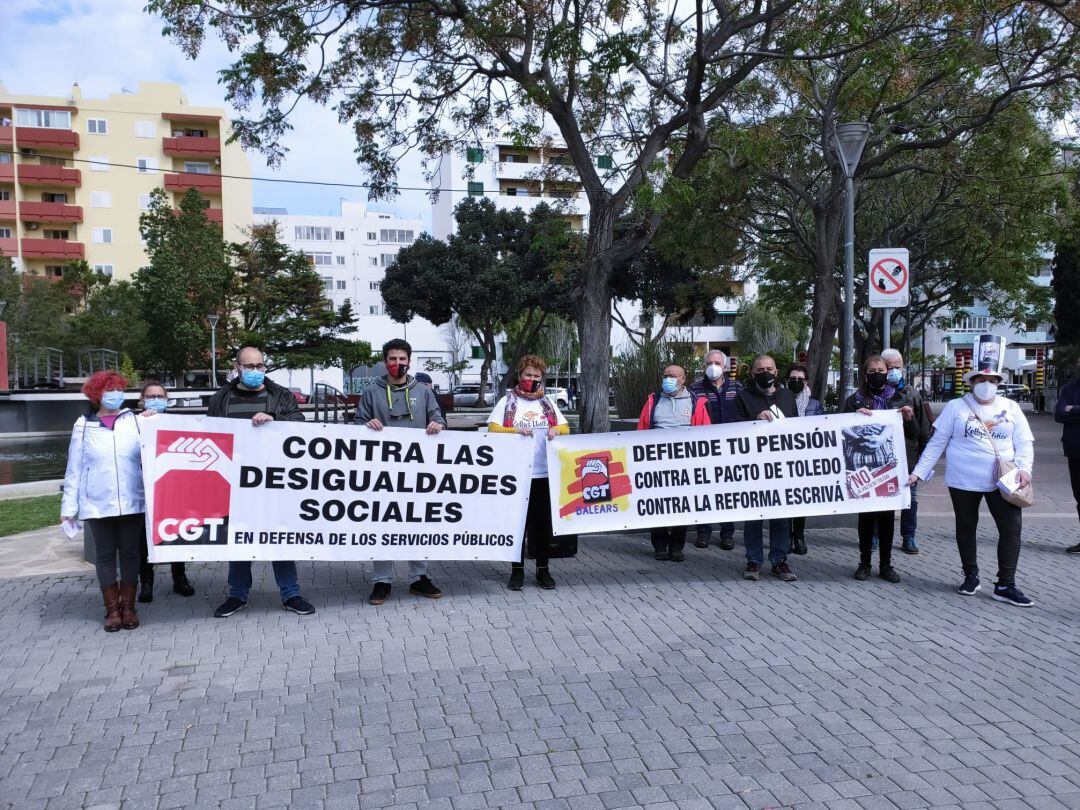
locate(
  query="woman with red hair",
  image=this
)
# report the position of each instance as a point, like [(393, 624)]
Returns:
[(103, 487)]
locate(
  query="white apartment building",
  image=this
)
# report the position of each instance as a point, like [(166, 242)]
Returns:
[(351, 252)]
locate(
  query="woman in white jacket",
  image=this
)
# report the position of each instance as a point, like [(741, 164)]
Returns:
[(973, 432), (103, 487)]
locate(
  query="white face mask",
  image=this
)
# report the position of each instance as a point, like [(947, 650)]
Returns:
[(985, 391), (714, 371)]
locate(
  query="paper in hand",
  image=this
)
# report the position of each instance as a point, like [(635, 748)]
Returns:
[(1009, 483), (71, 528)]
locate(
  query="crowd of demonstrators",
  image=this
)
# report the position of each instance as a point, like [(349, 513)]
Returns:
[(252, 396), (154, 399), (1067, 412), (673, 406), (974, 432), (718, 389), (103, 488), (397, 400), (876, 394), (798, 382), (916, 435), (526, 409), (764, 399)]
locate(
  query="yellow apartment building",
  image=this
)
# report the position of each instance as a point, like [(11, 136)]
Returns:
[(76, 173)]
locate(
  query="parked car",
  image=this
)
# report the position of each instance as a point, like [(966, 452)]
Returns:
[(301, 397), (466, 396), (1017, 391), (560, 396)]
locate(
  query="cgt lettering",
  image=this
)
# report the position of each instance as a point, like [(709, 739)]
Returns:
[(597, 492), (190, 529)]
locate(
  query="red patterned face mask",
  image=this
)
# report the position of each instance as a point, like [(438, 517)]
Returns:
[(397, 370), (531, 386)]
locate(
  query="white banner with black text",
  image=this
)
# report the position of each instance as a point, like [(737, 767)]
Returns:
[(818, 465), (223, 489)]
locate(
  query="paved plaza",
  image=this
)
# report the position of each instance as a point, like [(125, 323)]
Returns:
[(634, 684)]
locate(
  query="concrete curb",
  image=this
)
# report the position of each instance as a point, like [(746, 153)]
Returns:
[(30, 489)]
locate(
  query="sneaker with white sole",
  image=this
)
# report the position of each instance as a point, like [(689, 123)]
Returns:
[(1012, 595), (971, 585), (229, 607)]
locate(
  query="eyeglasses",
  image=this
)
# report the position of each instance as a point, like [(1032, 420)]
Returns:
[(155, 399), (252, 367)]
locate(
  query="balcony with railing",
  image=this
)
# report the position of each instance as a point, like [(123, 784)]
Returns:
[(34, 175), (202, 183), (50, 212), (7, 172), (52, 249), (7, 209), (8, 246), (63, 140), (192, 146)]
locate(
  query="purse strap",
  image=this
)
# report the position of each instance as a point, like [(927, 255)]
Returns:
[(989, 438)]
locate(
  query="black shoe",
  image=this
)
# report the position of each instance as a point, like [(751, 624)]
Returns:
[(908, 546), (727, 543), (517, 579), (888, 573), (971, 585), (701, 542), (661, 556), (298, 605), (676, 556), (543, 578), (1011, 594), (1073, 549), (798, 545), (425, 587), (229, 607), (146, 589), (181, 585), (862, 572), (379, 594)]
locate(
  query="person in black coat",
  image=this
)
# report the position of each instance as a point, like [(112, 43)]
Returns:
[(798, 382), (1067, 413), (719, 390)]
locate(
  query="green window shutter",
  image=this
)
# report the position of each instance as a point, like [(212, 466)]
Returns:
[(475, 154), (476, 189), (603, 162)]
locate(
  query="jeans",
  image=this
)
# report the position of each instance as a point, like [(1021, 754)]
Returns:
[(704, 531), (669, 538), (880, 525), (288, 580), (383, 570), (754, 540), (1009, 523), (909, 518), (117, 538)]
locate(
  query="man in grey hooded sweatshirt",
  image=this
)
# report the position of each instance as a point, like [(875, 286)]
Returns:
[(398, 400)]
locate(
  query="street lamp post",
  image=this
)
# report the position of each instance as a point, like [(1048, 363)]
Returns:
[(848, 141), (213, 318)]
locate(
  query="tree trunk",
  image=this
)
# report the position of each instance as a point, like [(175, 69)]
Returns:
[(594, 321), (824, 322)]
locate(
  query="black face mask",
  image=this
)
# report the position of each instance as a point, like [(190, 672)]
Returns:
[(796, 385), (876, 380), (764, 380)]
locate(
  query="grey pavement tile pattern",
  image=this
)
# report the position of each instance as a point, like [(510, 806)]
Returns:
[(634, 684)]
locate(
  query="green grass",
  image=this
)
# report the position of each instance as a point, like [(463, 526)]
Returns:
[(24, 514)]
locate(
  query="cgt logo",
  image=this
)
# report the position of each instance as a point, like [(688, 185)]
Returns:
[(593, 482), (191, 488)]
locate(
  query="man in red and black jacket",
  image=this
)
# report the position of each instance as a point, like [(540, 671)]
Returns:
[(719, 391)]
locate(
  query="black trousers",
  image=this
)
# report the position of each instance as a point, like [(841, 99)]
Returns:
[(669, 538), (146, 569), (883, 524), (538, 532), (116, 540), (1009, 522), (798, 527), (1074, 478)]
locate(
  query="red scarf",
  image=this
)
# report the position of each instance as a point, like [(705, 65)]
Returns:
[(510, 414)]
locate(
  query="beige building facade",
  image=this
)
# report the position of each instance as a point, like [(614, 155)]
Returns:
[(76, 173)]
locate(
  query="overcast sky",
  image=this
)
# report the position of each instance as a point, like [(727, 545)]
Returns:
[(106, 45)]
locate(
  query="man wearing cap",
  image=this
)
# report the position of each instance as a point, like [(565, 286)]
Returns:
[(425, 379), (974, 432)]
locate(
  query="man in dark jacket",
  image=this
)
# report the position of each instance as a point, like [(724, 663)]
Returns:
[(764, 399), (251, 396), (916, 435), (398, 400), (719, 391), (1067, 413)]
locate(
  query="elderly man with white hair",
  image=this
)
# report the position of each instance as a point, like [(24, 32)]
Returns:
[(719, 390), (906, 395)]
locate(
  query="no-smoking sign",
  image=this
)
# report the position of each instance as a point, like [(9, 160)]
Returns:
[(889, 278)]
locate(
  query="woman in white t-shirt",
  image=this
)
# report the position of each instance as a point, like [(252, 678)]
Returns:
[(968, 431), (526, 410)]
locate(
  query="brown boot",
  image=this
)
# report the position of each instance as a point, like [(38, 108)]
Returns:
[(111, 595), (129, 619)]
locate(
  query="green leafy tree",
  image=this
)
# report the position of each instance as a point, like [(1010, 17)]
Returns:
[(499, 267), (187, 277), (278, 302), (112, 318), (628, 79)]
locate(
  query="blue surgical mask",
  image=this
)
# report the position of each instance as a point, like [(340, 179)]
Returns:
[(895, 377), (252, 379), (670, 385), (156, 405), (112, 400)]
